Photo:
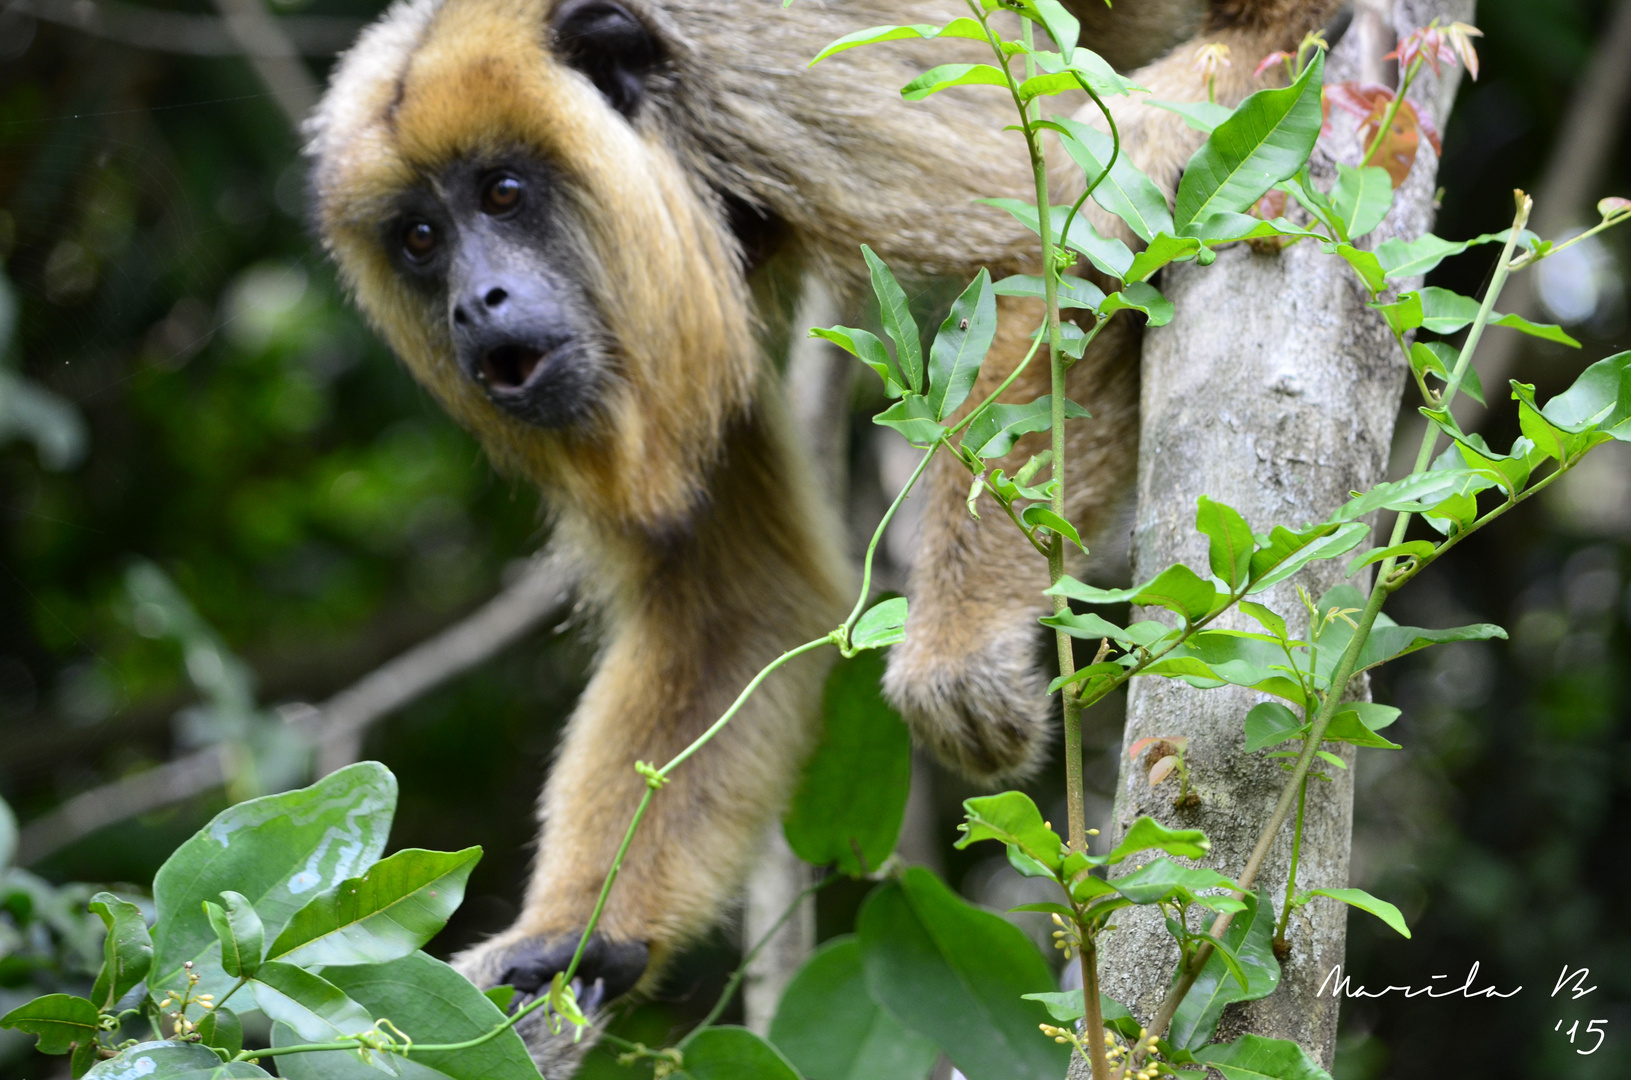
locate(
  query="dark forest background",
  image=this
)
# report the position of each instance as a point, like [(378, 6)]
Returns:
[(220, 495)]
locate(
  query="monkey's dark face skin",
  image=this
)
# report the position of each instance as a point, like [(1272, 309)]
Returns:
[(483, 239)]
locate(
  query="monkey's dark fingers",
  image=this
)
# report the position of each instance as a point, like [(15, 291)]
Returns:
[(608, 969)]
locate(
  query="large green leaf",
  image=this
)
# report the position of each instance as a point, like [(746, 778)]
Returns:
[(1229, 540), (852, 797), (1252, 1057), (1251, 938), (831, 1029), (1361, 199), (433, 1004), (172, 1061), (954, 974), (60, 1020), (127, 952), (385, 914), (1147, 833), (734, 1053), (279, 851), (960, 346), (1266, 140), (314, 1008), (1164, 879)]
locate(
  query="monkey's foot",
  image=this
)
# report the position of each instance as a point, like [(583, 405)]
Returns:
[(608, 970), (982, 709)]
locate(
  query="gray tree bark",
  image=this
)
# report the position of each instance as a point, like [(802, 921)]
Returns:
[(1274, 390)]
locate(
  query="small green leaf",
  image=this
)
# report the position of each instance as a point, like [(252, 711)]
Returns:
[(59, 1020), (915, 418), (898, 323), (1179, 589), (957, 28), (240, 932), (865, 347), (1087, 626), (1285, 552), (1348, 726), (1229, 540), (1252, 1057), (960, 346), (500, 996), (831, 1029), (1364, 901), (1125, 192), (1269, 724), (1041, 517), (993, 433), (1402, 259), (948, 75), (1549, 331), (1012, 818), (1417, 548), (1416, 493), (1162, 250), (1202, 116), (1445, 312), (1267, 618), (1147, 833), (1060, 24), (1074, 292), (852, 796), (883, 624), (1364, 263), (1265, 140), (127, 951), (389, 912), (1361, 199), (1141, 297), (221, 1028), (1164, 879)]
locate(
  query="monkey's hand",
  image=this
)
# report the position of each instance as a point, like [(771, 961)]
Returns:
[(608, 970)]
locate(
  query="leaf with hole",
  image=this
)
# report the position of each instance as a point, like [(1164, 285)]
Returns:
[(960, 346)]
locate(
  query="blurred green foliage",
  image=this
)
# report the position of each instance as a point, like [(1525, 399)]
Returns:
[(185, 386)]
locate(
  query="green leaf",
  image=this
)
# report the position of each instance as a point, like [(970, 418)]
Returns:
[(1203, 116), (914, 417), (1270, 724), (240, 932), (1162, 250), (1233, 656), (1252, 1057), (1074, 292), (1148, 833), (1039, 516), (1011, 818), (1445, 312), (852, 797), (1067, 1007), (1348, 725), (221, 1028), (59, 1020), (1403, 314), (84, 1058), (1089, 67), (993, 433), (1126, 192), (898, 323), (1141, 297), (1361, 199), (1599, 400), (883, 624), (172, 1061), (865, 346), (1250, 938), (501, 996), (957, 28), (1403, 259), (948, 75), (1387, 640), (1364, 263), (1179, 589), (278, 851), (434, 1004), (1269, 620), (1549, 331), (960, 346), (734, 1053), (1087, 626), (831, 1029), (1286, 552), (954, 974), (127, 951), (1060, 24), (1437, 358), (1164, 879), (1266, 140), (1110, 255), (316, 1009), (1229, 539), (1364, 901), (398, 905)]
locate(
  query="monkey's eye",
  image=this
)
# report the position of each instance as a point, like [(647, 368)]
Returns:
[(500, 195), (419, 241)]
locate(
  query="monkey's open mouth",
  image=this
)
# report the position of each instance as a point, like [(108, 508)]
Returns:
[(510, 367)]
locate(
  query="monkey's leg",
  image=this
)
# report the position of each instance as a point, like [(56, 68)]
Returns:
[(692, 620), (971, 676)]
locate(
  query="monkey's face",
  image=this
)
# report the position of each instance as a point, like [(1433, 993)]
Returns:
[(481, 241), (520, 219)]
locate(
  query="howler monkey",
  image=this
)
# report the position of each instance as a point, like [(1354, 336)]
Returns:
[(572, 220)]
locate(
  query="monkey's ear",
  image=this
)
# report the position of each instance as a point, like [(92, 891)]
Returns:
[(603, 39)]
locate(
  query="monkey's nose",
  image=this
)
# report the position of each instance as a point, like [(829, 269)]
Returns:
[(483, 305)]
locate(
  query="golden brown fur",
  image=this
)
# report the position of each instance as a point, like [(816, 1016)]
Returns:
[(700, 539)]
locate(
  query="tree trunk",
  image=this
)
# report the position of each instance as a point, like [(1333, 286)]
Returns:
[(1275, 391)]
